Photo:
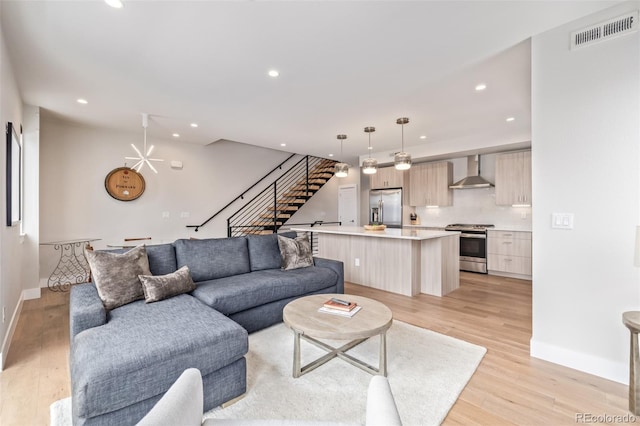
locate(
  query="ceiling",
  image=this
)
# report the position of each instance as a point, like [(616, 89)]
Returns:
[(343, 66)]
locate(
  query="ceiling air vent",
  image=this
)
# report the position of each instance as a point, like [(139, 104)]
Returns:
[(605, 30)]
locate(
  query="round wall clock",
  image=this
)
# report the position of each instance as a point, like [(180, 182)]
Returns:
[(124, 184)]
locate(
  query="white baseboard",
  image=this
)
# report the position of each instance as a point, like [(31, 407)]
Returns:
[(601, 367), (29, 294)]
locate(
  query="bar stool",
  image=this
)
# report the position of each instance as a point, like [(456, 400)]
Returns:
[(631, 320)]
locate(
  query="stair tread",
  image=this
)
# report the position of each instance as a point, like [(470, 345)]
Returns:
[(280, 216), (284, 208)]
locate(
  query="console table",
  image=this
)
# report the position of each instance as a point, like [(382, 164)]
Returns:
[(72, 267), (631, 319)]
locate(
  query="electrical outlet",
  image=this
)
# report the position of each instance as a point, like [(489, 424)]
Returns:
[(523, 215), (357, 262), (165, 215), (184, 215)]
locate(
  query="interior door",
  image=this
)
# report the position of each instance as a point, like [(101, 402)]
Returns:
[(348, 204)]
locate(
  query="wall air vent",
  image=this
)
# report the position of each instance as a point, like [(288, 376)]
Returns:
[(607, 30)]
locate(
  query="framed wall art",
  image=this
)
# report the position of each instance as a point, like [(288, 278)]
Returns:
[(14, 176)]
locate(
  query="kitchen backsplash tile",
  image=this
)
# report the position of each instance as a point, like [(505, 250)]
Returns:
[(476, 206)]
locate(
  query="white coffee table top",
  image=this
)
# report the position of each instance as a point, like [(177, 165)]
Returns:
[(302, 315)]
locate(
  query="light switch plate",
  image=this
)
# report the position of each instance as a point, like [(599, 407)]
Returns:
[(562, 220)]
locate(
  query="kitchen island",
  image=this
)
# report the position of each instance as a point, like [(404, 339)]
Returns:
[(404, 261)]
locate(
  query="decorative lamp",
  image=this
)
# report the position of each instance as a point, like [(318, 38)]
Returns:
[(402, 160), (341, 169), (369, 165), (143, 156)]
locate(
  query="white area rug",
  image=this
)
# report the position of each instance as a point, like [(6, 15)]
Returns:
[(426, 370)]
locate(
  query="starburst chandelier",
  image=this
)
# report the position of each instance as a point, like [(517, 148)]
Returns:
[(143, 159)]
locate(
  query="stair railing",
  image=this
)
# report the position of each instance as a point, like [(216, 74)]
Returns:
[(291, 188), (241, 196)]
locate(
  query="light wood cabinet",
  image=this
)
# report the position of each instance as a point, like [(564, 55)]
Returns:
[(429, 184), (513, 178), (509, 252), (387, 177)]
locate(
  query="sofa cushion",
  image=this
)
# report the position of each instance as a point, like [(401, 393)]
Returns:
[(214, 257), (237, 293), (160, 287), (162, 258), (143, 348), (264, 252), (116, 275), (296, 253)]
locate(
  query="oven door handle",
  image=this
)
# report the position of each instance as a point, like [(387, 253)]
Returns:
[(481, 236)]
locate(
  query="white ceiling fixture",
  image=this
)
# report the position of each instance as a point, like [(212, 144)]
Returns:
[(194, 125), (510, 119), (116, 4), (402, 160), (274, 73), (82, 101), (480, 87), (143, 159), (176, 135), (423, 137)]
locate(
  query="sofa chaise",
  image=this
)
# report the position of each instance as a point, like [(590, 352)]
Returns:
[(124, 359)]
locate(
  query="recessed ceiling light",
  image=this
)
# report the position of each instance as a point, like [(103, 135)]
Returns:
[(509, 119), (480, 87), (176, 135), (370, 147), (82, 101), (194, 125), (273, 73), (423, 137), (330, 155), (117, 4), (283, 144)]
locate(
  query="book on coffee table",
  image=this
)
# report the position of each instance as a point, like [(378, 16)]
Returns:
[(341, 313), (340, 305)]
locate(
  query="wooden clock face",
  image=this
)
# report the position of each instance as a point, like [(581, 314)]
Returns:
[(124, 184)]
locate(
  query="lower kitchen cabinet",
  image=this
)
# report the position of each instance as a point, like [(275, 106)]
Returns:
[(509, 253)]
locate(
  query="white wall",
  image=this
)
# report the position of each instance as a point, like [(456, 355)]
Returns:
[(586, 161), (12, 280), (74, 203)]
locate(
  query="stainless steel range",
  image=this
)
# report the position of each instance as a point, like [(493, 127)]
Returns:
[(473, 246)]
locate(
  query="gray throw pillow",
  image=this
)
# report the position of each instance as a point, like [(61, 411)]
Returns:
[(116, 275), (296, 253), (159, 287)]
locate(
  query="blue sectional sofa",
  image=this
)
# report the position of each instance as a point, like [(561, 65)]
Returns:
[(124, 360)]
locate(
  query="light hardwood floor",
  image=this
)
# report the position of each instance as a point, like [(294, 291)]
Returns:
[(509, 386)]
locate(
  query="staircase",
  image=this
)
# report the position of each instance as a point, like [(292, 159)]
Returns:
[(275, 205)]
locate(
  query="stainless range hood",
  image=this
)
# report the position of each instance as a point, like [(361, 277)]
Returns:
[(473, 179)]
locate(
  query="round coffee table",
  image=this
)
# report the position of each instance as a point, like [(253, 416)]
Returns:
[(302, 316)]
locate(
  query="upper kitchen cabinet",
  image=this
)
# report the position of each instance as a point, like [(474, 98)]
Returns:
[(387, 177), (513, 178), (429, 184)]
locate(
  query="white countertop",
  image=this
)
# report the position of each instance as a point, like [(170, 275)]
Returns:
[(432, 227), (398, 233), (511, 228)]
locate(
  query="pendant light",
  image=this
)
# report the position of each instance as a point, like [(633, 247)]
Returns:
[(341, 169), (402, 160), (143, 156), (369, 165)]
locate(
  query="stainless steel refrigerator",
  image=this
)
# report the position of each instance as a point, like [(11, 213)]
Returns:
[(385, 206)]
